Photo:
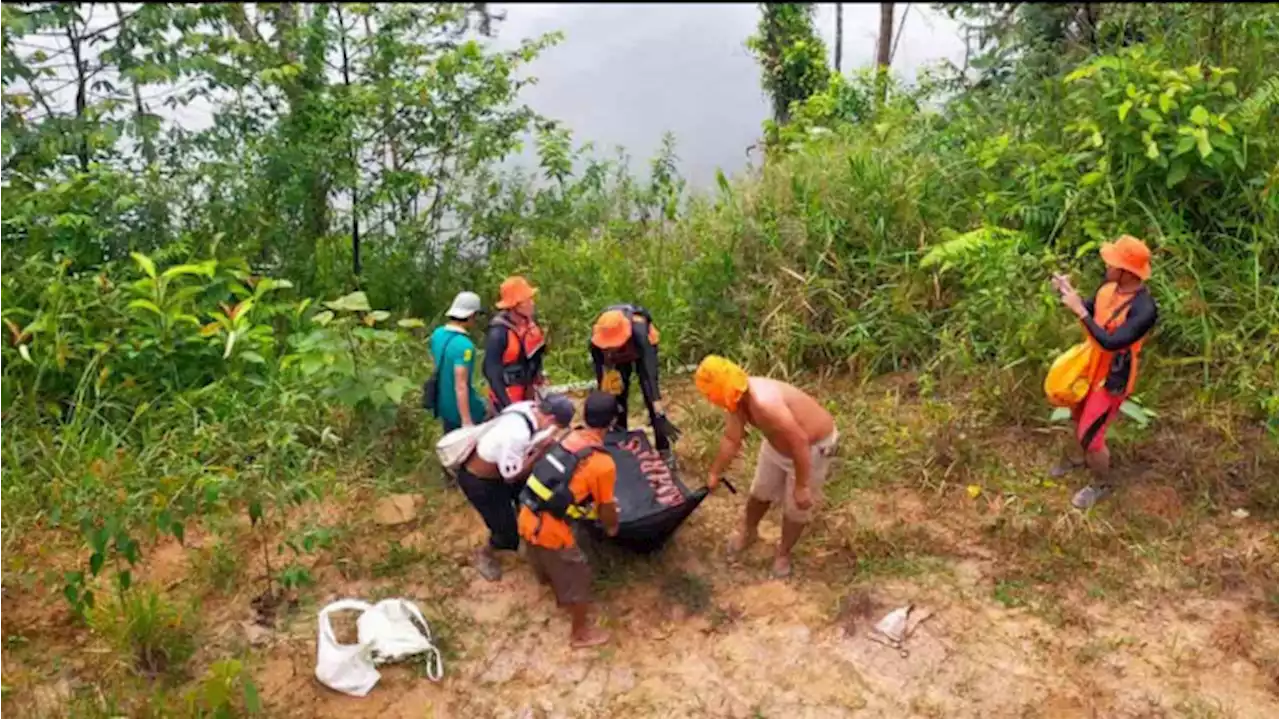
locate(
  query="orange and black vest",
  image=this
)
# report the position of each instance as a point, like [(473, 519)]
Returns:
[(522, 357), (1110, 310)]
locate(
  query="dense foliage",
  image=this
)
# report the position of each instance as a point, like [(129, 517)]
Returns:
[(203, 321)]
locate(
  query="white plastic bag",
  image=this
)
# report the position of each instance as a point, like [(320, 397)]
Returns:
[(385, 632), (347, 668), (455, 447)]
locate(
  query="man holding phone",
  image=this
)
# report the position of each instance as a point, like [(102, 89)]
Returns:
[(1118, 319)]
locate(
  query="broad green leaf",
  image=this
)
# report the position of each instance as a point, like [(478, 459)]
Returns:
[(1225, 126), (252, 702), (205, 269), (1166, 102), (25, 351), (1185, 143), (1199, 115), (410, 323), (1151, 116), (145, 263), (1124, 109), (1152, 151), (1202, 143), (380, 315), (1177, 173), (1137, 412), (397, 388), (231, 343), (354, 302), (1091, 178), (95, 562), (145, 305), (322, 318), (251, 356)]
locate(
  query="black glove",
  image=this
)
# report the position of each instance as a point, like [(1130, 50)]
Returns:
[(662, 426)]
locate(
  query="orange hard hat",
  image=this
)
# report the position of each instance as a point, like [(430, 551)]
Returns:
[(1129, 254), (514, 290), (611, 331)]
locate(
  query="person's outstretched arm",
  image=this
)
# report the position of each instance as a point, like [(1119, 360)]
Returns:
[(735, 428), (647, 369), (597, 360)]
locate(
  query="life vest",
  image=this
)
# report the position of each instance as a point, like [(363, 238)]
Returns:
[(547, 489), (1110, 310), (637, 315), (522, 358)]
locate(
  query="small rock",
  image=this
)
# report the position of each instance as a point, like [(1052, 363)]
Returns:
[(798, 633), (256, 634), (1241, 513), (503, 668), (396, 509), (621, 680), (415, 540), (574, 673)]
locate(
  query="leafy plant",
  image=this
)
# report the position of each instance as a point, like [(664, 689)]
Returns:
[(227, 690), (157, 635), (342, 355)]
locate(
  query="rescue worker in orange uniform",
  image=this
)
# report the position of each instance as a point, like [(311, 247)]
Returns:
[(1118, 318), (513, 346), (624, 341), (572, 483)]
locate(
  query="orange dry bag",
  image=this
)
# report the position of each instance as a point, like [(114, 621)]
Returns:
[(1068, 380)]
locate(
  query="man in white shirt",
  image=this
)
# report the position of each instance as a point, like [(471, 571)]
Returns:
[(493, 475)]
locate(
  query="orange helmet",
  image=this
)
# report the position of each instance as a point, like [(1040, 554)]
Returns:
[(1129, 254), (514, 290), (612, 330)]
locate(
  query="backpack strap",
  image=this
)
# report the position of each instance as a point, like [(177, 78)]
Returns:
[(444, 352), (528, 422)]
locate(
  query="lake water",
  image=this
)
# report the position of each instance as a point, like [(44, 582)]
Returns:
[(626, 73)]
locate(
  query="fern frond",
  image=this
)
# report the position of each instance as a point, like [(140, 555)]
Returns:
[(1249, 110)]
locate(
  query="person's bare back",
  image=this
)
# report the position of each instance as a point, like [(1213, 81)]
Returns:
[(776, 407)]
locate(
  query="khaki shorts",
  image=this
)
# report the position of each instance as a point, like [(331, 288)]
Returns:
[(566, 570), (775, 479)]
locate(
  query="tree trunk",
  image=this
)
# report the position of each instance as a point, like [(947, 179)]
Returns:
[(884, 46), (839, 34), (148, 144), (82, 82), (351, 150)]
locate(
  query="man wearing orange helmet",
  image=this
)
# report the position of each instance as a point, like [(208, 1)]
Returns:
[(1118, 318), (513, 346), (624, 341)]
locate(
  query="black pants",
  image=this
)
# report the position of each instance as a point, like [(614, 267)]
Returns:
[(495, 500), (620, 412)]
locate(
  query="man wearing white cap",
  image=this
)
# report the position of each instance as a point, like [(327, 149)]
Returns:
[(458, 404)]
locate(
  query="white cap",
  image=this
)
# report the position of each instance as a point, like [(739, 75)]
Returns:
[(464, 306)]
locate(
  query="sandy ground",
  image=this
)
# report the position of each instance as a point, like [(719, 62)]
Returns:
[(695, 635)]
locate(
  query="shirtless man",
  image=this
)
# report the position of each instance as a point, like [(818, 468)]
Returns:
[(800, 441)]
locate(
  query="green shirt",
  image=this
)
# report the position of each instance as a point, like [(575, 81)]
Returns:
[(450, 348)]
